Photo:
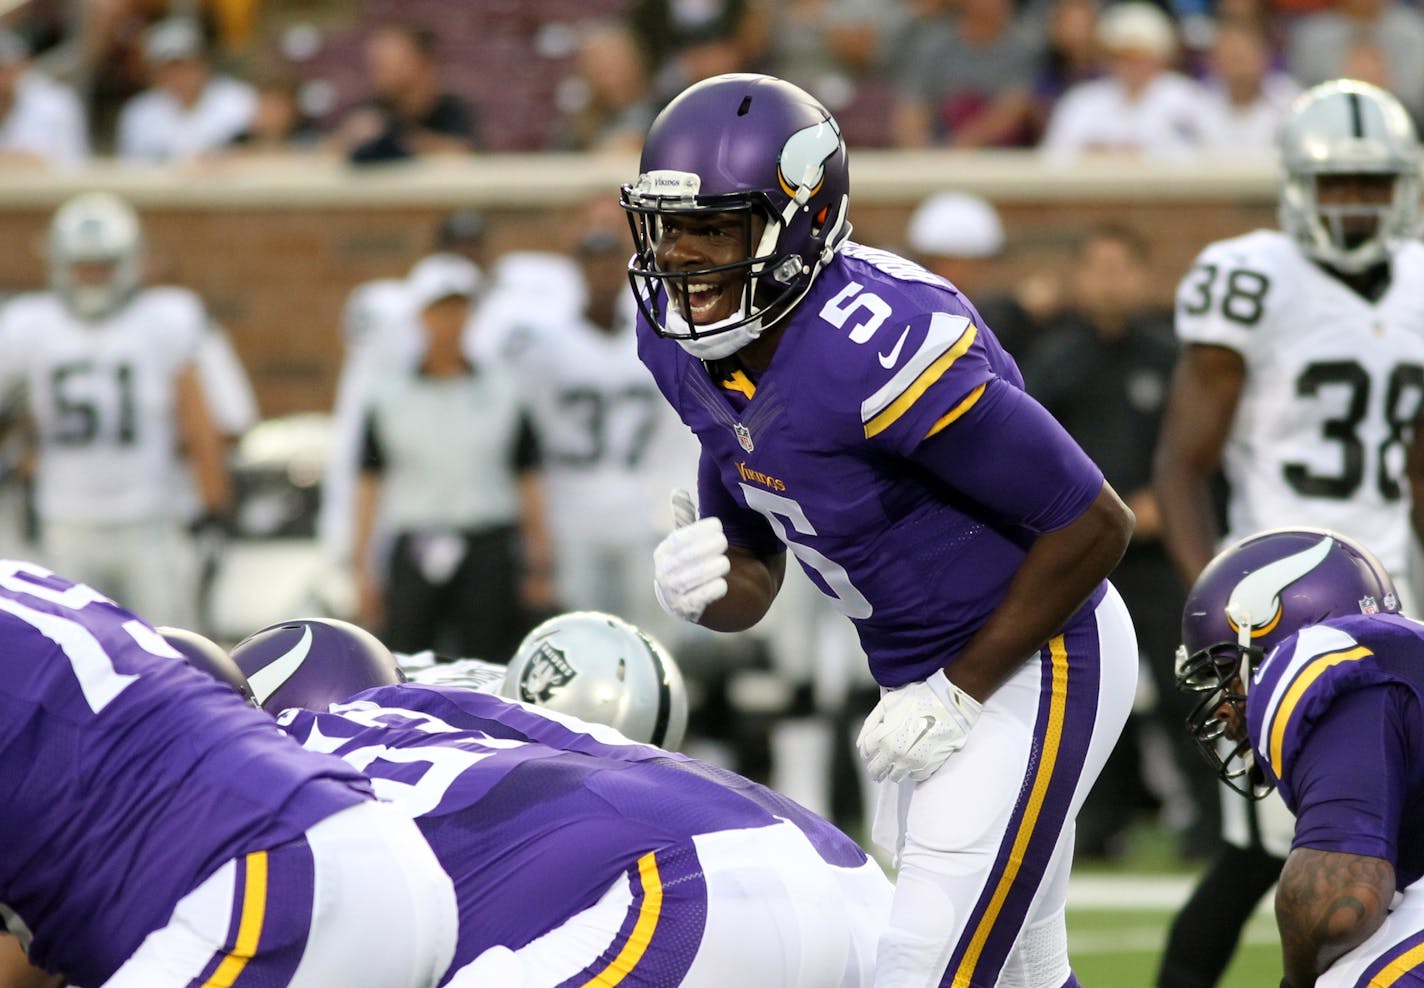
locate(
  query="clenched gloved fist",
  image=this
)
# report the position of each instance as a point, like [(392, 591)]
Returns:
[(915, 728), (690, 565)]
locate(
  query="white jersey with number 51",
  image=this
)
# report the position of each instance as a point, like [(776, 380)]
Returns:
[(1333, 385)]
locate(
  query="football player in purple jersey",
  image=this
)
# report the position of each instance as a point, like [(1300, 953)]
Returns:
[(855, 410), (579, 856), (159, 834), (1312, 684)]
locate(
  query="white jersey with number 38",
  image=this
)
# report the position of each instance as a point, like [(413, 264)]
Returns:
[(102, 396), (1333, 385)]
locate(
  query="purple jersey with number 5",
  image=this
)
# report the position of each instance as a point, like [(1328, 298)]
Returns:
[(828, 453), (126, 776)]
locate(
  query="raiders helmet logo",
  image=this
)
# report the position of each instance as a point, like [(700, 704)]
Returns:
[(546, 672)]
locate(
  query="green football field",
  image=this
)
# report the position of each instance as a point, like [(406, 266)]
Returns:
[(1120, 948), (1118, 919)]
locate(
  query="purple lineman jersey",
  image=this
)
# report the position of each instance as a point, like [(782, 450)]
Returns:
[(534, 818), (1336, 718), (827, 453), (128, 777)]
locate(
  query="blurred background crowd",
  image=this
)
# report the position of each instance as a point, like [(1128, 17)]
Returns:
[(346, 507), (377, 80)]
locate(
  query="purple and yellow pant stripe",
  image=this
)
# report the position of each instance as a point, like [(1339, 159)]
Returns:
[(271, 917), (662, 928), (1062, 732), (1398, 966)]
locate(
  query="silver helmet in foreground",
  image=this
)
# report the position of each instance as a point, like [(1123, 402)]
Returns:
[(601, 669)]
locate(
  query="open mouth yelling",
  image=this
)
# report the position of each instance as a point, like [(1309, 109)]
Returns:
[(705, 302)]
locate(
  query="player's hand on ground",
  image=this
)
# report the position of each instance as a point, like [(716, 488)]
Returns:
[(690, 565), (914, 729)]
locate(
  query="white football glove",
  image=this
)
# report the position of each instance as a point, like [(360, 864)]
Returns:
[(914, 729), (690, 565)]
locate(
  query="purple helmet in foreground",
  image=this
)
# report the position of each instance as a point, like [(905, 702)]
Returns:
[(313, 663), (749, 144), (1249, 599), (208, 656)]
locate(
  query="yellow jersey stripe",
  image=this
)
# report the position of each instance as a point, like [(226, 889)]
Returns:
[(637, 943), (958, 409), (1400, 966), (1057, 703), (942, 333), (249, 927), (1308, 675), (920, 385), (740, 382)]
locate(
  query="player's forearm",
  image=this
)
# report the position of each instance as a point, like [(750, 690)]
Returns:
[(752, 585), (1328, 903), (206, 450), (1060, 572), (1189, 528), (533, 524)]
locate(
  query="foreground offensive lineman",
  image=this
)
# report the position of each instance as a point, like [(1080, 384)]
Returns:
[(112, 383), (1294, 639), (1301, 378), (578, 856), (854, 409), (159, 833)]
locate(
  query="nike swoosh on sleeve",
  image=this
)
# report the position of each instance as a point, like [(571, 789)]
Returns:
[(887, 360)]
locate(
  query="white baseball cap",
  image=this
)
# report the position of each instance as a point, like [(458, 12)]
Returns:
[(173, 39), (442, 276), (955, 224), (1137, 26)]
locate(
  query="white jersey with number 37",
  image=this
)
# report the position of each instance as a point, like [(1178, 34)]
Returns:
[(102, 397), (1333, 385)]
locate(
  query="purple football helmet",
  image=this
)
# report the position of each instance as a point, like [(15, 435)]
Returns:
[(313, 663), (1249, 599), (748, 144), (208, 656)]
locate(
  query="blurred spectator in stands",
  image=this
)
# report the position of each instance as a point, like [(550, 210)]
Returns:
[(1249, 98), (1071, 56), (1102, 368), (605, 105), (409, 113), (188, 110), (1367, 61), (686, 42), (960, 237), (41, 121), (1318, 45), (451, 465), (278, 124), (826, 46), (965, 78), (1142, 107)]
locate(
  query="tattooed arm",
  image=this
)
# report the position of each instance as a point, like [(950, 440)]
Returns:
[(1327, 903)]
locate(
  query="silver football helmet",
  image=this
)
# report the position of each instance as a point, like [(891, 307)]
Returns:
[(601, 669), (1345, 127), (95, 228)]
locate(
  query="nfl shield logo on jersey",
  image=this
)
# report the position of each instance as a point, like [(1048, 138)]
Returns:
[(546, 672), (744, 436)]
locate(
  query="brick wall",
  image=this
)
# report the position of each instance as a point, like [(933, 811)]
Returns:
[(275, 271)]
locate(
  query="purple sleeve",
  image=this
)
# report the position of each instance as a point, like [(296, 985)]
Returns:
[(1349, 772), (1010, 456), (742, 526)]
